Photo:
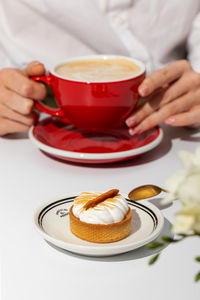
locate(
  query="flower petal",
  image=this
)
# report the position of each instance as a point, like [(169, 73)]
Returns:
[(172, 183), (183, 223), (168, 199)]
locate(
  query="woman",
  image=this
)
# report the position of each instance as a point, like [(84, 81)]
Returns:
[(163, 34)]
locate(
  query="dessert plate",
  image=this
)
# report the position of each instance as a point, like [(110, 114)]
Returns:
[(52, 222), (66, 142)]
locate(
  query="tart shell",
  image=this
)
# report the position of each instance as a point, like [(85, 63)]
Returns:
[(98, 233)]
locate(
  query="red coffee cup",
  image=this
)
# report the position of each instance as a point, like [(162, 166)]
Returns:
[(93, 105)]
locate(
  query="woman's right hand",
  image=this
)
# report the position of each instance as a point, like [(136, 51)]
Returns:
[(17, 95)]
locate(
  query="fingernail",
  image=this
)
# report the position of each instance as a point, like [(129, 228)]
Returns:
[(170, 121), (143, 90), (135, 131), (131, 121)]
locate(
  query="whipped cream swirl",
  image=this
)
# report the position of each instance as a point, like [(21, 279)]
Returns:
[(111, 210)]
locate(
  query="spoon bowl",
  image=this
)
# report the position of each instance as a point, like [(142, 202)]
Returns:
[(145, 191)]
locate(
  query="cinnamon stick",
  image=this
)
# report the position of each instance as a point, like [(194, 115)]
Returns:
[(101, 198)]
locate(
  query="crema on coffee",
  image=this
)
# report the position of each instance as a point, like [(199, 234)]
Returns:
[(99, 70)]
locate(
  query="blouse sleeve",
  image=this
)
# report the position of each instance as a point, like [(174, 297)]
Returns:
[(193, 44)]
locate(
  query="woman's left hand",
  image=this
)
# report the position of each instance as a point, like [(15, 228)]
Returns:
[(172, 95)]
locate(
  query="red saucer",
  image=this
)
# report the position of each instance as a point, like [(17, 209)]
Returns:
[(66, 142)]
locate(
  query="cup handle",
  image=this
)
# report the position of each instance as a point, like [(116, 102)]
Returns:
[(43, 107)]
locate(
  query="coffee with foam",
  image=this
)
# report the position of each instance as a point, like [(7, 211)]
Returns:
[(99, 70)]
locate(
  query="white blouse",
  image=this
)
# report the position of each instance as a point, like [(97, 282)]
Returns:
[(154, 31)]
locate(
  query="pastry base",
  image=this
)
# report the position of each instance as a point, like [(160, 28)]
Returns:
[(98, 233)]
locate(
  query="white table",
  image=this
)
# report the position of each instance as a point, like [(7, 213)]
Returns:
[(32, 269)]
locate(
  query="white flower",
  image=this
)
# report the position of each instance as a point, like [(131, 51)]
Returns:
[(184, 185), (172, 185), (183, 223), (190, 161), (189, 190)]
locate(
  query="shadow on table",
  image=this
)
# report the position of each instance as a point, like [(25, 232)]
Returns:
[(182, 133), (158, 203), (16, 136), (132, 255)]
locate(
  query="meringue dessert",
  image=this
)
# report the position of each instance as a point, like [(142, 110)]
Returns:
[(100, 217)]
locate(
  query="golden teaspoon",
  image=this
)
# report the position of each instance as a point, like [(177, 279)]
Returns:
[(145, 191)]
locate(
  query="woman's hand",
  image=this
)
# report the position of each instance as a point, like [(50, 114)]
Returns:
[(172, 95), (17, 95)]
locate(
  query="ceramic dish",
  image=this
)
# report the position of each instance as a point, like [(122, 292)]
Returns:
[(64, 141), (52, 222)]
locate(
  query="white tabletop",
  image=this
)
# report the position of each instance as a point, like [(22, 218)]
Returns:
[(33, 269)]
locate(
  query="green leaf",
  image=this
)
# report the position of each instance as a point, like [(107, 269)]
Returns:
[(154, 245), (183, 234), (168, 239), (153, 259), (197, 277), (197, 258), (197, 233)]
